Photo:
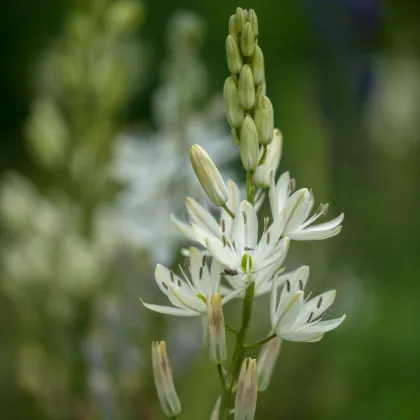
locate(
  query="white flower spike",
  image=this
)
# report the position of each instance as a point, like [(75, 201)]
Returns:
[(245, 254), (293, 318), (298, 206), (189, 296)]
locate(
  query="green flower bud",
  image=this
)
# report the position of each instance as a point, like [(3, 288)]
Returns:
[(240, 18), (125, 15), (208, 175), (249, 148), (162, 373), (234, 111), (252, 18), (264, 120), (246, 88), (234, 58), (233, 25), (247, 40), (257, 66)]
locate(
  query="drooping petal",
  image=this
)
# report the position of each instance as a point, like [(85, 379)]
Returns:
[(201, 217), (223, 254), (170, 310)]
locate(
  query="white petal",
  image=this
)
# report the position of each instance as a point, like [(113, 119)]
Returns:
[(184, 228), (196, 268), (274, 314), (201, 217), (279, 252), (324, 326), (296, 209), (232, 204), (301, 336), (170, 310), (311, 234), (291, 312), (223, 254), (259, 201), (245, 231), (279, 193), (163, 277), (182, 298), (233, 294), (215, 269), (331, 224), (201, 234)]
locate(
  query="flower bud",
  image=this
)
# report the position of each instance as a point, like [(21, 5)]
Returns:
[(246, 88), (249, 148), (264, 120), (247, 391), (208, 175), (234, 111), (234, 58), (252, 18), (215, 415), (162, 373), (268, 169), (233, 25), (124, 15), (240, 18), (217, 338), (266, 362), (257, 66), (247, 40)]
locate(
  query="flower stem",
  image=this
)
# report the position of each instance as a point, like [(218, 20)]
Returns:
[(260, 342), (250, 187), (221, 375), (238, 353), (229, 211)]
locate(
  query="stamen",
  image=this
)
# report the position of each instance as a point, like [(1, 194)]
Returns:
[(203, 261), (325, 314), (301, 285), (319, 303), (288, 286), (223, 225), (266, 220), (268, 238), (248, 248), (171, 274), (224, 240), (179, 282), (310, 317), (244, 216), (165, 286), (200, 274), (308, 297), (292, 184)]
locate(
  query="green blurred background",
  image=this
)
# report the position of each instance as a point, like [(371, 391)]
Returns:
[(80, 76)]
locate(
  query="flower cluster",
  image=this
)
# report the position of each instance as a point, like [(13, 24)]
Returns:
[(231, 259)]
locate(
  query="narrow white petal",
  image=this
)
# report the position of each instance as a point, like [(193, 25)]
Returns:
[(215, 269), (310, 234), (279, 194), (170, 310), (259, 201), (198, 272), (291, 312), (245, 230), (331, 224), (201, 217), (301, 336), (223, 254), (273, 303), (201, 234), (183, 228), (163, 278), (323, 326), (279, 252), (233, 294), (182, 298), (296, 209)]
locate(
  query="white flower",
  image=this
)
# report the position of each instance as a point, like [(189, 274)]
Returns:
[(203, 224), (189, 296), (245, 254), (293, 318), (298, 207)]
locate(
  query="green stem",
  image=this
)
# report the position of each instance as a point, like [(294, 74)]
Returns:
[(264, 155), (221, 376), (231, 328), (238, 353), (250, 187), (229, 211), (259, 343)]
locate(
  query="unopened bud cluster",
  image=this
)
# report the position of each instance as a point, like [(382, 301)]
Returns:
[(248, 111)]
